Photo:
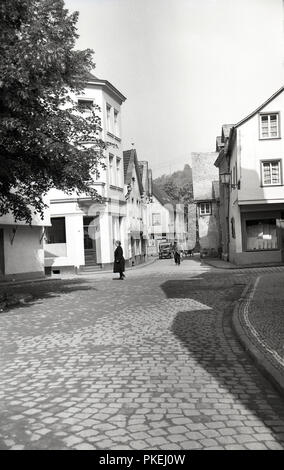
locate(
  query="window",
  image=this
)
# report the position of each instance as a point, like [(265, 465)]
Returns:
[(156, 219), (205, 208), (108, 109), (116, 123), (261, 235), (271, 172), (56, 233), (111, 171), (269, 126), (85, 105), (118, 172)]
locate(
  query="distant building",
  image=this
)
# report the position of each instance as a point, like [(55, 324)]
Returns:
[(206, 199), (83, 233), (250, 165), (166, 219), (136, 232)]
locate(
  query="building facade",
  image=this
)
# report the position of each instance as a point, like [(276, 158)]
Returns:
[(21, 247), (136, 231), (83, 233), (252, 185), (166, 220), (206, 198)]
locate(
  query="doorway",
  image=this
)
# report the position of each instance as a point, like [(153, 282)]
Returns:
[(91, 227)]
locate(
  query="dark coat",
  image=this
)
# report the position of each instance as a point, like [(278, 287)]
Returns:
[(119, 261)]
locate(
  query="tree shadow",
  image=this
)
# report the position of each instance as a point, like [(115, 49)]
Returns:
[(22, 296), (209, 339)]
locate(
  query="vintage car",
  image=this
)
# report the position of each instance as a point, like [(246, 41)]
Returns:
[(165, 250)]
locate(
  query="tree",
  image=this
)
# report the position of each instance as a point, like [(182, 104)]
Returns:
[(42, 131)]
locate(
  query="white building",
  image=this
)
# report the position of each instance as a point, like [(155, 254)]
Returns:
[(136, 231), (165, 219), (83, 233), (21, 247), (251, 171)]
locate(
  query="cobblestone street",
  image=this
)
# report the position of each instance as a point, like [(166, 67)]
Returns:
[(148, 363)]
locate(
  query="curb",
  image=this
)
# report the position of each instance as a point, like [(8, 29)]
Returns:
[(252, 266), (251, 345)]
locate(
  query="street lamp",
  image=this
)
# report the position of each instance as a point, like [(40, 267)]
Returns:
[(225, 178)]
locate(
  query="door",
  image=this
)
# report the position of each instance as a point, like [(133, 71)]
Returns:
[(90, 225), (2, 257)]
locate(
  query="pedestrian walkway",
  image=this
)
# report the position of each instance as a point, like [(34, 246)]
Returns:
[(259, 322)]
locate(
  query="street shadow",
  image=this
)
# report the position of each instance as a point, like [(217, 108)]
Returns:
[(24, 295), (209, 339)]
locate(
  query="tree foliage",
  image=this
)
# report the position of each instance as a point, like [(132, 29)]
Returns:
[(178, 185), (43, 133)]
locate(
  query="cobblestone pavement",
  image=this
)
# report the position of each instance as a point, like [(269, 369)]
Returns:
[(266, 311), (147, 363)]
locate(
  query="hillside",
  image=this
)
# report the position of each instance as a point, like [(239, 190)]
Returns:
[(178, 185)]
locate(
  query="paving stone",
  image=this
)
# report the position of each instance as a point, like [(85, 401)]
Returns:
[(256, 446)]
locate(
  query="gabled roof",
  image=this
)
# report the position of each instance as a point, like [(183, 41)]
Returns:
[(93, 80), (129, 162), (260, 107), (161, 195)]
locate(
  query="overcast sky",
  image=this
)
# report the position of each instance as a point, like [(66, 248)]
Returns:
[(185, 66)]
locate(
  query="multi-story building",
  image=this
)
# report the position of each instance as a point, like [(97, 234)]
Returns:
[(206, 198), (250, 165), (136, 232), (165, 219), (83, 233)]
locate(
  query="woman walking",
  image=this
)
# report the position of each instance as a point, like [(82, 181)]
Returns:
[(119, 261)]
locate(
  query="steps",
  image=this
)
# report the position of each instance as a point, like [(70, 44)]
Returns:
[(90, 258), (90, 268)]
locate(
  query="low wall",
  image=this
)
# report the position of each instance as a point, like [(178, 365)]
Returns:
[(256, 257)]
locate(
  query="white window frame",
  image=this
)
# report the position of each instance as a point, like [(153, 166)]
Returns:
[(270, 162), (205, 208), (269, 136)]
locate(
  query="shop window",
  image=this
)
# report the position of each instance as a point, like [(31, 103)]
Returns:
[(261, 235), (56, 233)]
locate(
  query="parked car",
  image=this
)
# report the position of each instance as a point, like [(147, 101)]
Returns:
[(165, 250)]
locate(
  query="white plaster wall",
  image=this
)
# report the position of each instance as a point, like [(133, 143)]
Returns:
[(252, 150), (26, 254), (74, 247)]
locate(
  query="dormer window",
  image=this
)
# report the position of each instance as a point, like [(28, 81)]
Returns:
[(269, 126)]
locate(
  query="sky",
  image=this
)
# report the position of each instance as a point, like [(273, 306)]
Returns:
[(185, 66)]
